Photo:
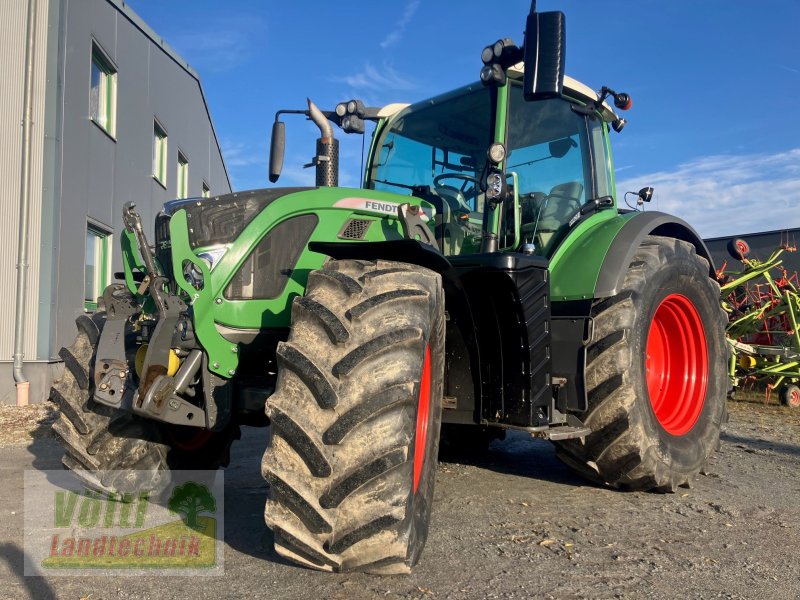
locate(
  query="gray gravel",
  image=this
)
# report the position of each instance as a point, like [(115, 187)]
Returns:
[(513, 523)]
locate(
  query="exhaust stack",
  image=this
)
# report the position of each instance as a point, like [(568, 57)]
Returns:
[(327, 157)]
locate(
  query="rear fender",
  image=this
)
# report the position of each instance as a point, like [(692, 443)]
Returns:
[(620, 253), (594, 258)]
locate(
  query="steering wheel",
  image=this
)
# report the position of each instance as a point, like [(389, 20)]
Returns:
[(461, 176), (456, 198)]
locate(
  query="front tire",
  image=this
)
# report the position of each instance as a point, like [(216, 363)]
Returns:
[(355, 418), (105, 447), (655, 374)]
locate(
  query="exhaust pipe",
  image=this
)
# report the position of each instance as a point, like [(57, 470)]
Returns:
[(327, 157)]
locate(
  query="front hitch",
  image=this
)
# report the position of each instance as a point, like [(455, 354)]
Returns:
[(157, 394)]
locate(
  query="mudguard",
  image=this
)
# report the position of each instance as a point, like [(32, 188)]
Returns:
[(593, 259), (620, 253)]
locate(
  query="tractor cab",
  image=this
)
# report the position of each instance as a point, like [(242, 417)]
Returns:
[(557, 161)]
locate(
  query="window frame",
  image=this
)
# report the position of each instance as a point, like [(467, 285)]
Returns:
[(102, 276), (182, 176), (160, 152), (106, 117)]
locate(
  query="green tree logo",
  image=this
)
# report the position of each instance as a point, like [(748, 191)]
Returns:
[(190, 499)]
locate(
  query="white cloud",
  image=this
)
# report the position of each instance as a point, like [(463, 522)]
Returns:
[(396, 34), (374, 79), (225, 46), (728, 194), (239, 154)]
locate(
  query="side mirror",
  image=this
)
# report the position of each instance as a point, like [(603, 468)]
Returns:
[(645, 194), (544, 51), (276, 150), (559, 148)]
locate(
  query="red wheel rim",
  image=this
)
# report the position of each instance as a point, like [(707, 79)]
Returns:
[(188, 440), (742, 247), (423, 410), (794, 398), (677, 364)]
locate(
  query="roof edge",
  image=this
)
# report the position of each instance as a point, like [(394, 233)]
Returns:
[(160, 42)]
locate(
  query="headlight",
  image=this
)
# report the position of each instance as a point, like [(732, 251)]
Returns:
[(193, 274), (497, 153), (213, 256), (494, 185)]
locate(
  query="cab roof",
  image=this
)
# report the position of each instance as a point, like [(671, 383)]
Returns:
[(572, 88)]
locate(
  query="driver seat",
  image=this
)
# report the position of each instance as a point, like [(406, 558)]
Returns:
[(558, 208), (449, 233)]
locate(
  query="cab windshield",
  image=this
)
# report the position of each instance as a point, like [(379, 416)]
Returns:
[(442, 144)]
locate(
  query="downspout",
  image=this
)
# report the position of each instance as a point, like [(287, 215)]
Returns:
[(24, 210)]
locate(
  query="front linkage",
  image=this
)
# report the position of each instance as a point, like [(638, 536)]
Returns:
[(155, 322)]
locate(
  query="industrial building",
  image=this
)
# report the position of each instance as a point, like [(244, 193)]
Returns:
[(762, 245), (95, 110)]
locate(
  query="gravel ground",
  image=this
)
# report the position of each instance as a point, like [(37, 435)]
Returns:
[(514, 523), (19, 425)]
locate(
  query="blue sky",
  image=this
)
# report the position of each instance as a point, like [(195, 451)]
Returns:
[(715, 84)]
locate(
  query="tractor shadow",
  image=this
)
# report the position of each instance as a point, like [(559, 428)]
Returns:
[(245, 496), (760, 446), (517, 455), (44, 447), (246, 491), (36, 587)]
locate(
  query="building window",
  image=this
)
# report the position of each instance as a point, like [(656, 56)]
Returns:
[(97, 266), (103, 93), (206, 190), (159, 154), (183, 176)]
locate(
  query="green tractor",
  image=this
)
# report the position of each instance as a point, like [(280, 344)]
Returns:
[(483, 278)]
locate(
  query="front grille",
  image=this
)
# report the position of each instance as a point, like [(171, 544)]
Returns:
[(355, 229)]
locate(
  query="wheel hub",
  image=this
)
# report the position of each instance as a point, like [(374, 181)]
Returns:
[(677, 364)]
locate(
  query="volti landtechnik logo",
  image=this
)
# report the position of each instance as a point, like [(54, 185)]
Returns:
[(71, 529)]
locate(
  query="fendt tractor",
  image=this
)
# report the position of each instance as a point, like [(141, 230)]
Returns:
[(482, 278)]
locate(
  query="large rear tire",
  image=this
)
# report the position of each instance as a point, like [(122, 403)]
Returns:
[(104, 446), (356, 417), (655, 374)]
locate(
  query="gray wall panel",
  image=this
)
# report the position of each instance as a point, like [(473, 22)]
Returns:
[(100, 174), (84, 175), (12, 49), (102, 165)]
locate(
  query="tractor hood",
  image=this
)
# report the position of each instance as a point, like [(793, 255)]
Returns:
[(221, 219)]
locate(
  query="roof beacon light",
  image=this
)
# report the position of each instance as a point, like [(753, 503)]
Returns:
[(623, 101)]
